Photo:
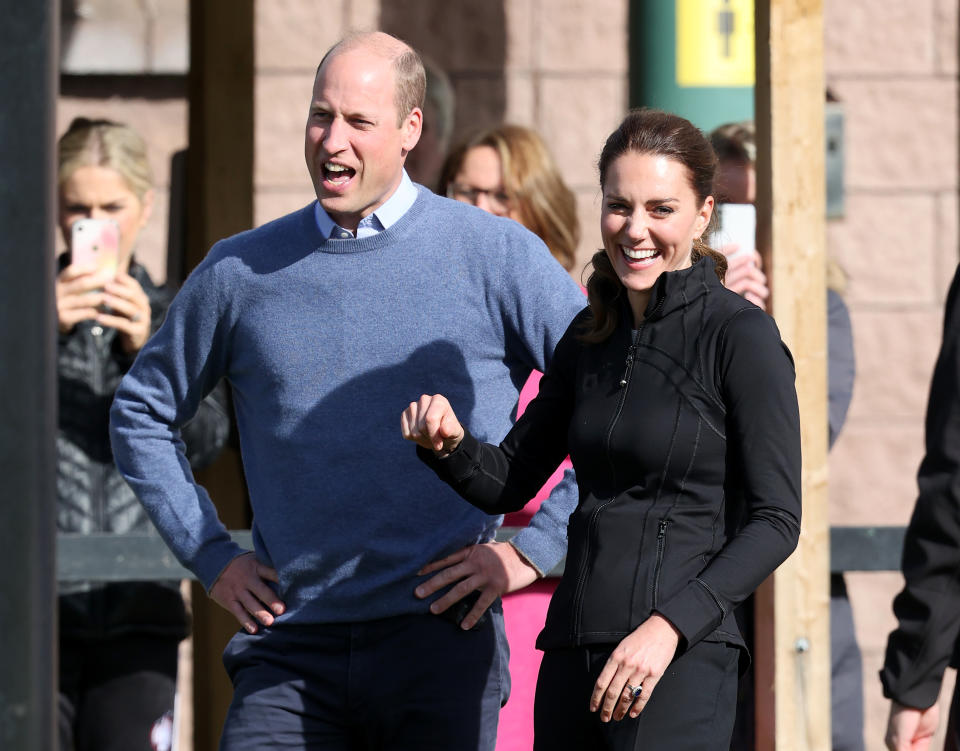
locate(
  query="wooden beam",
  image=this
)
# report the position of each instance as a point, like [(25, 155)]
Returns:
[(29, 39), (793, 638), (219, 191)]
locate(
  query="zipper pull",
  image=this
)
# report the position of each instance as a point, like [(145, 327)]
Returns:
[(626, 370)]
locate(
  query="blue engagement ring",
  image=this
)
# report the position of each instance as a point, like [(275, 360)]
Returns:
[(634, 692)]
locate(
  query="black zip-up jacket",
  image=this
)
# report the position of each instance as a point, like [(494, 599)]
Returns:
[(92, 496), (927, 636), (685, 438)]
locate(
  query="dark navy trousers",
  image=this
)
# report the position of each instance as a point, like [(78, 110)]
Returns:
[(408, 682)]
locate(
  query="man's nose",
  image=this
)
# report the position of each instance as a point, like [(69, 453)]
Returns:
[(334, 139)]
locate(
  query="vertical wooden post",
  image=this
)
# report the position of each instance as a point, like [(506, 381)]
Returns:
[(29, 38), (219, 203), (793, 641)]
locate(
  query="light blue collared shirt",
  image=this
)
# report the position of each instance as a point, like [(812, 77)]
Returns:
[(383, 218)]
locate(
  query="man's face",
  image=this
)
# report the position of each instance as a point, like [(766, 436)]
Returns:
[(354, 148)]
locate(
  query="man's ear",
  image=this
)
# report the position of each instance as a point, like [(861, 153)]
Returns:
[(412, 127)]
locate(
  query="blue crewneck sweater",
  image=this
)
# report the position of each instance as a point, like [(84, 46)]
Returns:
[(324, 343)]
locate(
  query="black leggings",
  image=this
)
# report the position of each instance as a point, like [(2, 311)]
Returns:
[(116, 693), (692, 707)]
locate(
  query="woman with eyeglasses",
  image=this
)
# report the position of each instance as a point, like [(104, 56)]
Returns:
[(508, 171)]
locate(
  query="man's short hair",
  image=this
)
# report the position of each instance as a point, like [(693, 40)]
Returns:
[(410, 80)]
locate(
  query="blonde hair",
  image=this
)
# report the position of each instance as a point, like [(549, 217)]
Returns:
[(544, 203), (104, 143)]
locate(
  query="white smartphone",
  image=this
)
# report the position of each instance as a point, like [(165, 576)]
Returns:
[(95, 242), (738, 224)]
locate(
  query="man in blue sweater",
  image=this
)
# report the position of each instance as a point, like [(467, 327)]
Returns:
[(327, 322)]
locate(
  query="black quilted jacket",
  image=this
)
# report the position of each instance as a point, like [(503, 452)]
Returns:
[(91, 494)]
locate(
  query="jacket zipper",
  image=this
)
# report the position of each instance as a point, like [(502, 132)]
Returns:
[(591, 525), (661, 546), (98, 482), (581, 573), (98, 607)]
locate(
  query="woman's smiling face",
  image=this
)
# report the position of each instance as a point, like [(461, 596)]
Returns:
[(649, 220)]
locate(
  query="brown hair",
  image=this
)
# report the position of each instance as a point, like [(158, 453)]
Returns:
[(104, 143), (648, 131), (735, 142), (544, 203), (410, 80)]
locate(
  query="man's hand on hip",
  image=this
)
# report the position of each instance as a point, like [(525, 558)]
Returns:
[(492, 568), (242, 589)]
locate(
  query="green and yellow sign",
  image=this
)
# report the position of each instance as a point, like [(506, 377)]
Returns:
[(715, 43)]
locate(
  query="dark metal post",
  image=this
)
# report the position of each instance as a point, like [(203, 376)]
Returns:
[(28, 88)]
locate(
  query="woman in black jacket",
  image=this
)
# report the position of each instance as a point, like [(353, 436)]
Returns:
[(118, 641), (675, 400)]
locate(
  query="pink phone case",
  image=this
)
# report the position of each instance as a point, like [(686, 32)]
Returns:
[(96, 242)]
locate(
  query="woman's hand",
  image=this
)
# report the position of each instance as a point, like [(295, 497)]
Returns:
[(79, 293), (431, 423), (911, 729), (127, 309), (745, 275), (637, 662)]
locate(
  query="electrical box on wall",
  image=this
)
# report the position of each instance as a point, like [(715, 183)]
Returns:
[(833, 135)]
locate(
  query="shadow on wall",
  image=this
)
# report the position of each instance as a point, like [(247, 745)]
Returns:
[(469, 41)]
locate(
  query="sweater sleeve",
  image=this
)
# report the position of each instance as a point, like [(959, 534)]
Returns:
[(756, 373), (538, 301), (179, 366), (497, 479), (928, 607)]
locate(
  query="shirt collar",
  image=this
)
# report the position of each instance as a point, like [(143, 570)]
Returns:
[(382, 218)]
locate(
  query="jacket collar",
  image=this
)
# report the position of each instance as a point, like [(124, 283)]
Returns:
[(676, 289)]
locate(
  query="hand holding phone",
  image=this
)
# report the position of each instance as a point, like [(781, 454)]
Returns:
[(738, 226), (95, 243), (736, 239)]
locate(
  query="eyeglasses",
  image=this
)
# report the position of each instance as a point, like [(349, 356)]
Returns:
[(499, 200)]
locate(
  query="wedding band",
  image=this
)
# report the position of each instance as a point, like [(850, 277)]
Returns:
[(136, 317), (634, 692)]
